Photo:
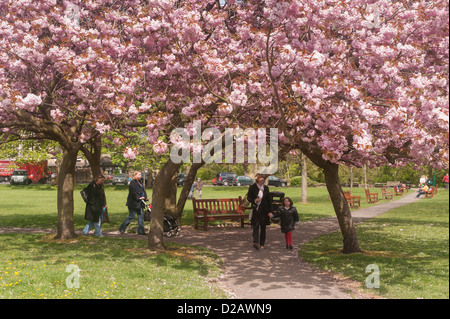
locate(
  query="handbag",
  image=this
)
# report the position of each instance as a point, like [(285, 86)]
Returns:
[(84, 194)]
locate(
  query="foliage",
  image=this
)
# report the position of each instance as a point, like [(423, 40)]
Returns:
[(28, 151), (297, 181)]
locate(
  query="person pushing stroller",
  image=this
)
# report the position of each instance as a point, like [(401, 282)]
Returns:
[(288, 219), (136, 193)]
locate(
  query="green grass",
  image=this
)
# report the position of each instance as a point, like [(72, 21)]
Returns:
[(410, 245), (34, 266), (34, 206)]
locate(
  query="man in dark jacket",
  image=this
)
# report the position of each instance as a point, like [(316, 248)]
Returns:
[(136, 194), (95, 205), (259, 196)]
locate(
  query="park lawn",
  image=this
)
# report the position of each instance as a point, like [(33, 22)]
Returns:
[(34, 265), (410, 246), (37, 266), (34, 206)]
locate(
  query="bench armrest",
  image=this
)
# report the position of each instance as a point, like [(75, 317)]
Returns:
[(204, 212)]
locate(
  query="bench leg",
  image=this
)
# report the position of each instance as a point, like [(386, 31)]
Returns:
[(195, 223), (242, 223), (205, 224)]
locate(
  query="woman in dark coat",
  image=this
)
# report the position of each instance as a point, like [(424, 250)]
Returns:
[(259, 196), (95, 205), (136, 194), (288, 219)]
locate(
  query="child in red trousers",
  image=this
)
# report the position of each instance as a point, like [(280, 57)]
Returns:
[(288, 219)]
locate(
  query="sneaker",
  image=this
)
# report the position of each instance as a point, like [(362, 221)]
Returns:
[(256, 246), (290, 247)]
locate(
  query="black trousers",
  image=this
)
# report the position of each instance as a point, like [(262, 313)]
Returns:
[(259, 237)]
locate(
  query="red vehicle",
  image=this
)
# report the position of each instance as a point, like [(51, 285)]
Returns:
[(37, 171)]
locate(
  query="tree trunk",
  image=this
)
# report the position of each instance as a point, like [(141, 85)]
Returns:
[(66, 178), (365, 176), (342, 209), (93, 156), (351, 180), (190, 178), (161, 199), (304, 179), (171, 203)]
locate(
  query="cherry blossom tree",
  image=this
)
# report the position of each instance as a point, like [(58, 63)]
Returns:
[(351, 82), (189, 71), (348, 83), (66, 69)]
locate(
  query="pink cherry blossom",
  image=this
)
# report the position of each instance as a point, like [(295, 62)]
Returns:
[(130, 153), (160, 147)]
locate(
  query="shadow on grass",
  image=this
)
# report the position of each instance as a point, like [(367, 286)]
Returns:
[(32, 248)]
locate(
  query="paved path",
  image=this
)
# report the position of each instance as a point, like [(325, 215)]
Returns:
[(276, 272)]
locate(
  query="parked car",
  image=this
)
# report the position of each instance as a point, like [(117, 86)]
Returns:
[(20, 176), (120, 179), (224, 179), (180, 179), (275, 181), (243, 181)]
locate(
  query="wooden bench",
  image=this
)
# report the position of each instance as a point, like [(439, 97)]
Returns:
[(386, 194), (398, 191), (429, 194), (371, 197), (352, 200), (434, 189), (392, 183), (214, 209)]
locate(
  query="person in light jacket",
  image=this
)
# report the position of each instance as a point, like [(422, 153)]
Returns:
[(259, 196), (288, 219)]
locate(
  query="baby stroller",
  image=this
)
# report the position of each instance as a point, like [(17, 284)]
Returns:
[(170, 226)]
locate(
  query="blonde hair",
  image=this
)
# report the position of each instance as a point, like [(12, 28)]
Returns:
[(136, 174)]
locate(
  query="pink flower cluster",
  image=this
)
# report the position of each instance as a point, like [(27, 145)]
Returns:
[(366, 82)]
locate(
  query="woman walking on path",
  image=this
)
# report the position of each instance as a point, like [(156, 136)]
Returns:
[(136, 193), (288, 219), (259, 197), (95, 205)]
